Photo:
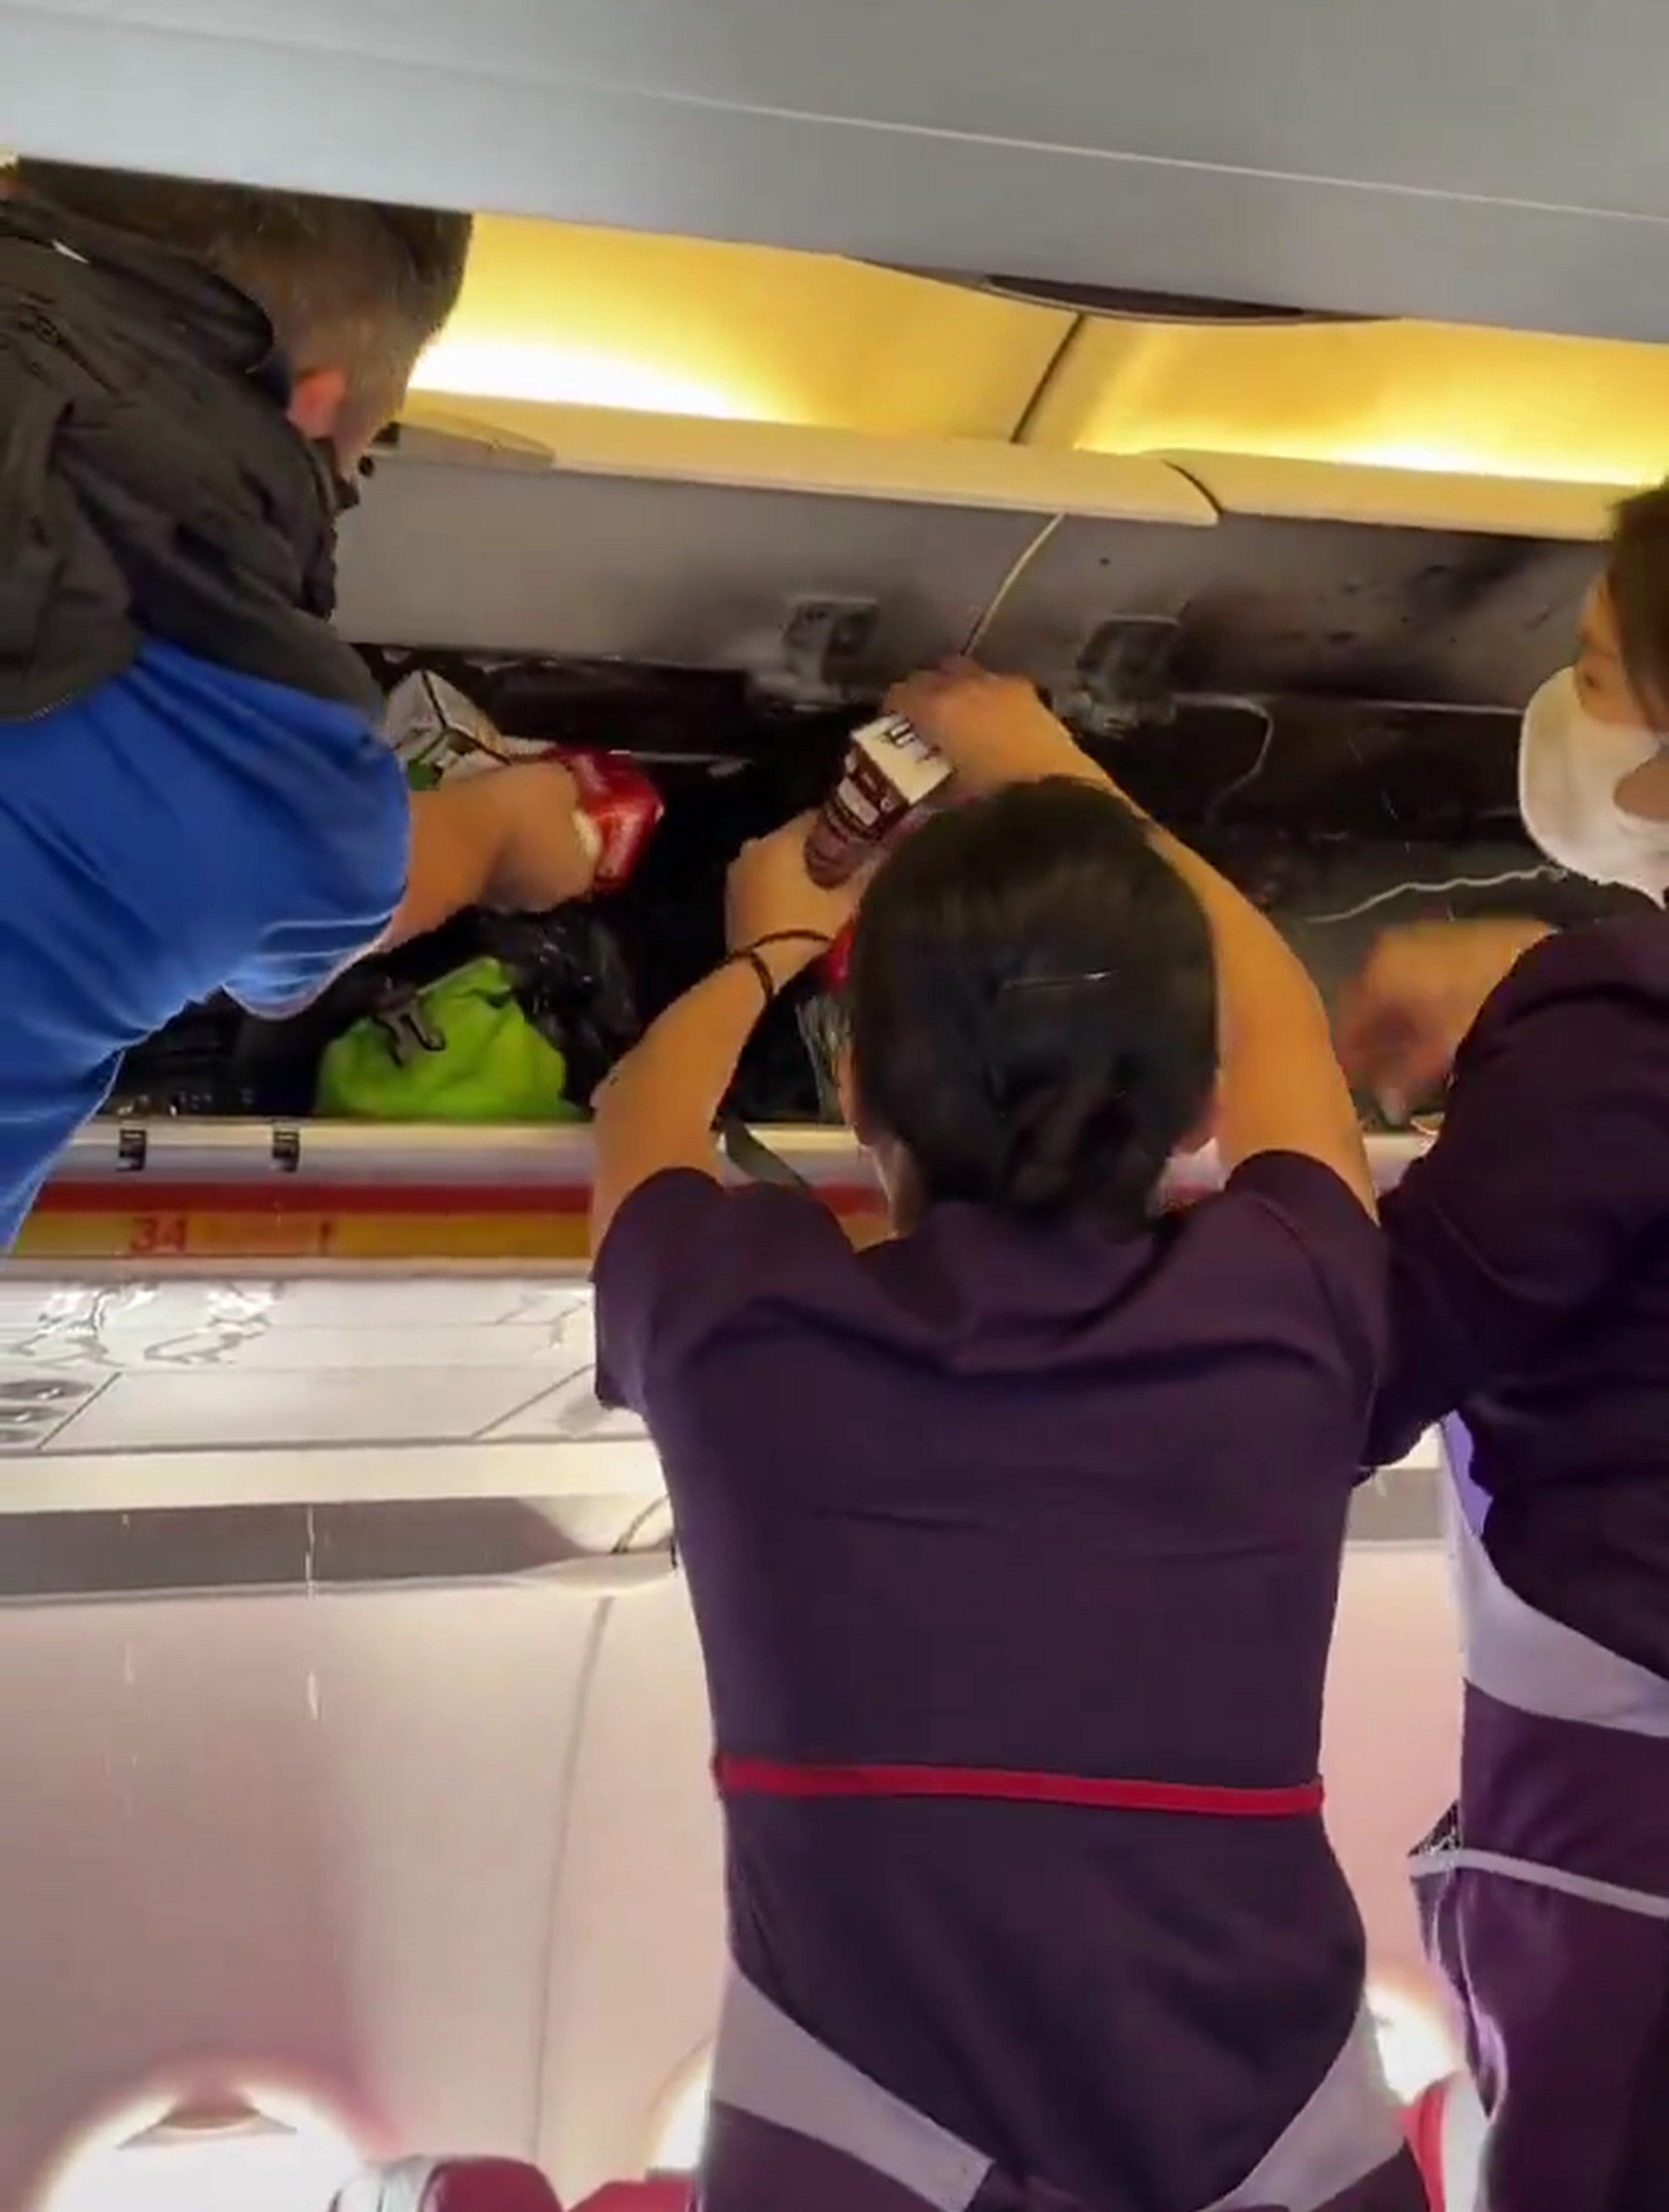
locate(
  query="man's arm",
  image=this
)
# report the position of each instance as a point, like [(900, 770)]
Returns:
[(510, 838), (1279, 1086)]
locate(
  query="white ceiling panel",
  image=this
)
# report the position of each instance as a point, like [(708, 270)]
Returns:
[(305, 1391), (1347, 89), (312, 1837), (1496, 162), (135, 1397), (206, 1407)]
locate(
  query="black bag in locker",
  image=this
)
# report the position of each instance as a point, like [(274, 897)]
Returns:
[(669, 918), (594, 973), (216, 1061), (190, 1068), (568, 974)]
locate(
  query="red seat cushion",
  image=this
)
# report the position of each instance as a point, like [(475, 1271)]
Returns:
[(450, 2184), (666, 2193)]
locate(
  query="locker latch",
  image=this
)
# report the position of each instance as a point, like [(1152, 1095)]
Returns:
[(1123, 678), (820, 653)]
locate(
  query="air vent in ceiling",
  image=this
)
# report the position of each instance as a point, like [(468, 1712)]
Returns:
[(1114, 303)]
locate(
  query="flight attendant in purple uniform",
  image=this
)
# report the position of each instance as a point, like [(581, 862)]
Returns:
[(1014, 1541), (1530, 1305)]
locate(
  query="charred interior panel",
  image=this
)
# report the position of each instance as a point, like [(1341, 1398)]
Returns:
[(1362, 613), (1329, 710)]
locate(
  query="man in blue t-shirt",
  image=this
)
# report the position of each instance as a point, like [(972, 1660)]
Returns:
[(193, 794)]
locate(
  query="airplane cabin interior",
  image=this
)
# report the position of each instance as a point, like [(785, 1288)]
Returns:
[(1258, 384)]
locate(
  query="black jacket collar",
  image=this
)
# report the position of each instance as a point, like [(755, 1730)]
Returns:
[(151, 485)]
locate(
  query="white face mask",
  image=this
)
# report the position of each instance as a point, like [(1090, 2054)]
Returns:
[(1570, 764)]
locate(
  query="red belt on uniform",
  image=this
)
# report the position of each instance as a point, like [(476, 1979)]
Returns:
[(770, 1777)]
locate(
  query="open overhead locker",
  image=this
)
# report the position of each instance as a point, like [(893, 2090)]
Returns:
[(693, 543), (1399, 586), (814, 474), (1325, 660)]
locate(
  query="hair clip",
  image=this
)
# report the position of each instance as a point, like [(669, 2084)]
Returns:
[(1056, 982)]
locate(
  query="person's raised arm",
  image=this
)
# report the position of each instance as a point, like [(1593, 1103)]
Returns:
[(1549, 1172), (1279, 1088), (511, 839), (657, 1110), (1402, 1017)]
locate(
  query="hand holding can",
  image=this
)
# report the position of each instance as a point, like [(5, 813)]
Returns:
[(890, 771)]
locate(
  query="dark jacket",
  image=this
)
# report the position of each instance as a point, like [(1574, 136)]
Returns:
[(151, 485)]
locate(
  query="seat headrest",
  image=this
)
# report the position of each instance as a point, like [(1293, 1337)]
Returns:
[(450, 2184)]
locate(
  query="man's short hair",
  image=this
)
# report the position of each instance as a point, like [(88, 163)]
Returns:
[(347, 285)]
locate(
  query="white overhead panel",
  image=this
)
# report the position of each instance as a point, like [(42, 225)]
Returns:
[(1496, 162), (177, 1396), (653, 540), (1392, 498), (710, 545)]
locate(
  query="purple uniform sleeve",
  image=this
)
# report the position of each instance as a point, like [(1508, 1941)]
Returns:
[(1341, 1251), (684, 1256), (1552, 1162)]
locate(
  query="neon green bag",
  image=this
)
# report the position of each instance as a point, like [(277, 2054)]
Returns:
[(460, 1049)]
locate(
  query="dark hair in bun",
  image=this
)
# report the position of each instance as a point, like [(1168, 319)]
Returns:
[(1032, 1006)]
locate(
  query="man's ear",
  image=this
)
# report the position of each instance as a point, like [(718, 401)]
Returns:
[(316, 403)]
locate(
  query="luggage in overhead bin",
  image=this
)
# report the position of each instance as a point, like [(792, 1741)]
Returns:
[(193, 1069), (441, 737), (516, 1019), (496, 1018), (493, 1018), (729, 767)]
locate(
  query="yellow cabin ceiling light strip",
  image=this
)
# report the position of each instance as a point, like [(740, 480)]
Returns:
[(556, 314), (538, 372), (1426, 397)]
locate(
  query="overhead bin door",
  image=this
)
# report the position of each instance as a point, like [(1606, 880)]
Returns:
[(709, 551), (692, 543), (655, 543), (1351, 584), (1490, 163)]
